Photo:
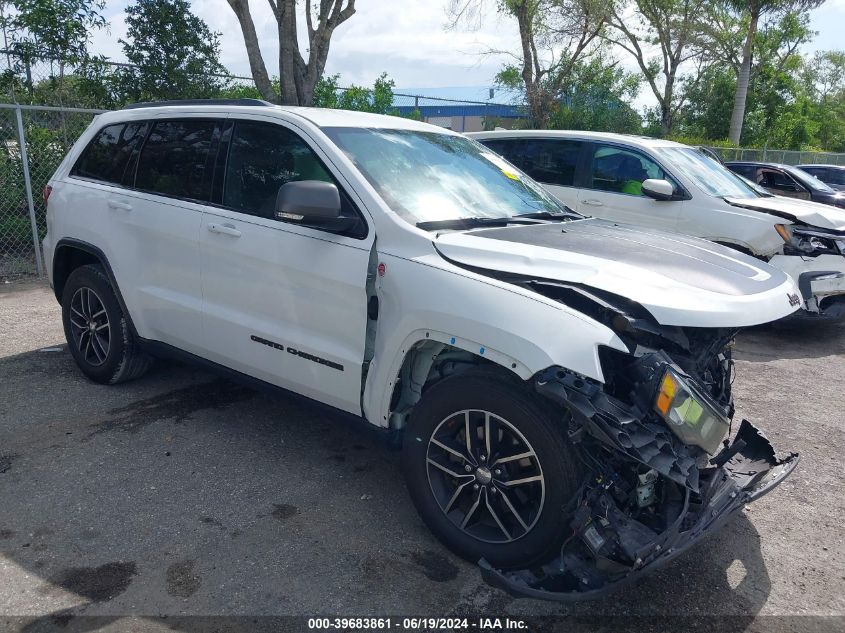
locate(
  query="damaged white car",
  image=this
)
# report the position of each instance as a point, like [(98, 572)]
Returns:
[(669, 186), (562, 385)]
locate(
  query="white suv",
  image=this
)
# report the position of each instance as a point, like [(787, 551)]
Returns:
[(666, 185), (562, 385)]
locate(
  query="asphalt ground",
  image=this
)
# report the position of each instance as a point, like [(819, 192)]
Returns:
[(181, 494)]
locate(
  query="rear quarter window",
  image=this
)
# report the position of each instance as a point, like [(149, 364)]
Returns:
[(107, 156)]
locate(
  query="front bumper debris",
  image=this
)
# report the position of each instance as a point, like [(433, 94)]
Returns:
[(821, 282), (741, 473)]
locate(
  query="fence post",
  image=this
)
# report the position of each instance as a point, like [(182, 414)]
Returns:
[(28, 186)]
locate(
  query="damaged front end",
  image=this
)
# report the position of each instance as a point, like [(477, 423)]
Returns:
[(659, 473)]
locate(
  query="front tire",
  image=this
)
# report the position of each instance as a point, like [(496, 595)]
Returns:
[(97, 331), (489, 469)]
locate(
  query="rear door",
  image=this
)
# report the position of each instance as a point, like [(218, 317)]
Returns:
[(139, 187), (550, 161), (160, 222), (613, 188), (282, 303)]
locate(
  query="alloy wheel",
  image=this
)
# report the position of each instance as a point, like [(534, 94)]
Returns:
[(485, 476), (90, 327)]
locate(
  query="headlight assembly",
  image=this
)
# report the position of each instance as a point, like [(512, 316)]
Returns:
[(689, 413), (807, 241)]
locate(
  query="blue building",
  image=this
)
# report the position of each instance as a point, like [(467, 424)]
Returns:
[(459, 116)]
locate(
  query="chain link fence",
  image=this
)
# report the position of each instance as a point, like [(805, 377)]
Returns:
[(46, 104), (34, 141), (784, 156), (458, 115)]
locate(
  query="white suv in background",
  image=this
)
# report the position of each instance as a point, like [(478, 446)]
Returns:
[(531, 360), (665, 185)]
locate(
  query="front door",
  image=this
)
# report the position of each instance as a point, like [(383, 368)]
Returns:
[(282, 303), (613, 188), (782, 184)]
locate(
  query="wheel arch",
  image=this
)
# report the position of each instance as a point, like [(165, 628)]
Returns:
[(428, 357), (70, 254)]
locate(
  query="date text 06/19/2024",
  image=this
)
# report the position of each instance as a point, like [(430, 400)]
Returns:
[(415, 624)]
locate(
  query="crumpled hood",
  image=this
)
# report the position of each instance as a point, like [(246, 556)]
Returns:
[(680, 280), (824, 216)]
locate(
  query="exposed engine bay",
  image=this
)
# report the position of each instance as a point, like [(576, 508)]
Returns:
[(659, 469)]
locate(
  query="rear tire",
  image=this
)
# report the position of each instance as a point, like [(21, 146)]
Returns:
[(478, 502), (97, 331)]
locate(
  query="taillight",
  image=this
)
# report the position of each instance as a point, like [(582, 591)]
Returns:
[(47, 191)]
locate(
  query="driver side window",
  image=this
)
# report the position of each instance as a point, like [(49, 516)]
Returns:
[(777, 180), (617, 170), (262, 158)]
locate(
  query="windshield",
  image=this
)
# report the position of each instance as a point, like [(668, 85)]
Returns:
[(710, 175), (429, 176), (809, 179)]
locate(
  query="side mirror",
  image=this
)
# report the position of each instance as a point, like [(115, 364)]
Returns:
[(313, 203), (658, 189)]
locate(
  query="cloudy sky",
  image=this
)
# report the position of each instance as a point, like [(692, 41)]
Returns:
[(405, 38)]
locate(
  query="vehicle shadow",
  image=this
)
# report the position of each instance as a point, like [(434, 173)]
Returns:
[(781, 342), (183, 495)]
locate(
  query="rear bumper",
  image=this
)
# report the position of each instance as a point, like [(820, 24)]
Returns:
[(746, 470)]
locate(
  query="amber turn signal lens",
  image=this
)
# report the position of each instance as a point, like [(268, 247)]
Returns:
[(783, 232), (666, 394)]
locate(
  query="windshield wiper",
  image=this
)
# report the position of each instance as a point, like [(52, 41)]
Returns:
[(548, 215), (473, 223)]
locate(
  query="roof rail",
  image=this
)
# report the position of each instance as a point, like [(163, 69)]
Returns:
[(195, 102)]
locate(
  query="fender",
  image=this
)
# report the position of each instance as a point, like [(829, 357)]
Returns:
[(516, 329), (749, 228), (100, 257)]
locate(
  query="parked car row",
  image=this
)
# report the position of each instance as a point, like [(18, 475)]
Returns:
[(561, 384), (665, 185), (831, 175), (791, 182)]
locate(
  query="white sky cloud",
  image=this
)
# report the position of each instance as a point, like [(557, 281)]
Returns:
[(405, 38)]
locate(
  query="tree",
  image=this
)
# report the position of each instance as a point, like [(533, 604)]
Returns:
[(378, 99), (823, 76), (175, 54), (48, 30), (58, 29), (595, 97), (675, 29), (298, 77), (571, 27), (752, 11)]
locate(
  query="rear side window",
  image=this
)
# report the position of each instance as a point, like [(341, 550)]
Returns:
[(550, 161), (174, 159), (107, 156), (262, 158)]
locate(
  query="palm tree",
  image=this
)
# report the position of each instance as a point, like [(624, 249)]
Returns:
[(754, 10)]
